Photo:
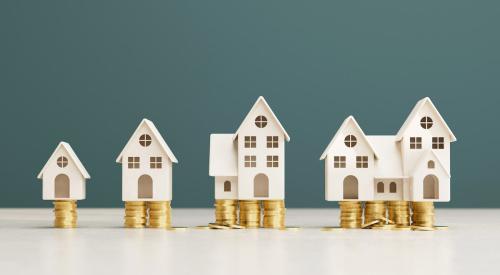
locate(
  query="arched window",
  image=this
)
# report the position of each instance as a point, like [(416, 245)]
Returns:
[(350, 141), (393, 187), (380, 187), (227, 186), (431, 164)]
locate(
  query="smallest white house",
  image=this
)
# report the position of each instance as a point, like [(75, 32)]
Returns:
[(63, 176), (146, 165)]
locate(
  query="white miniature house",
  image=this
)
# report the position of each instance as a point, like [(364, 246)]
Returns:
[(146, 165), (413, 165), (250, 164), (63, 176)]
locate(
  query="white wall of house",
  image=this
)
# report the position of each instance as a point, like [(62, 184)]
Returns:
[(52, 170), (418, 178), (275, 175), (161, 177), (221, 193)]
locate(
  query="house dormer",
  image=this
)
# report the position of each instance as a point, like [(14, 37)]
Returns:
[(63, 176), (146, 165)]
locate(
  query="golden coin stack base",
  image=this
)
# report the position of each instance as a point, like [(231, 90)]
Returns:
[(135, 214), (422, 215), (250, 213), (65, 214), (159, 214), (351, 214), (274, 213), (226, 212), (399, 213), (375, 211)]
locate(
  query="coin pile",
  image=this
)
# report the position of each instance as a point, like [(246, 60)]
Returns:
[(375, 211), (274, 214), (135, 214), (226, 212), (399, 212), (422, 216), (250, 213), (65, 214), (159, 214), (351, 214)]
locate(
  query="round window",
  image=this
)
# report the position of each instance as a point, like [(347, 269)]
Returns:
[(261, 121), (350, 141), (145, 140)]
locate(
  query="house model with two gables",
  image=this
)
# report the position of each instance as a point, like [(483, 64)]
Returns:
[(146, 165), (413, 165), (63, 176), (250, 164)]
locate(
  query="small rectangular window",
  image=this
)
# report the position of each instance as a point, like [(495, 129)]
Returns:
[(250, 161), (415, 142), (133, 162), (250, 141), (438, 143), (272, 161), (339, 162), (361, 161), (155, 162), (272, 142)]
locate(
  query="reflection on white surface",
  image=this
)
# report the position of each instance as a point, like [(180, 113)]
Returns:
[(100, 246)]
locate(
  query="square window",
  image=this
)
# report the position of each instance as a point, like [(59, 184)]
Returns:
[(155, 162), (415, 142), (272, 161), (250, 161), (438, 143), (361, 161), (339, 162), (133, 162), (250, 141), (272, 141)]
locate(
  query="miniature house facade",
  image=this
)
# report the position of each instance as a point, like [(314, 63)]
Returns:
[(63, 176), (146, 165), (250, 164), (413, 165)]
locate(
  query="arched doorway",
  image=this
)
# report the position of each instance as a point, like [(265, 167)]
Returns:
[(261, 186), (145, 187), (431, 187), (350, 188), (227, 186), (61, 186)]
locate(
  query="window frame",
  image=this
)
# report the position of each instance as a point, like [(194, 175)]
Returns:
[(361, 161), (134, 162), (62, 161), (155, 162), (272, 161), (260, 121), (426, 122), (145, 140), (250, 161), (250, 142), (350, 141), (272, 141), (438, 143), (415, 143), (339, 162)]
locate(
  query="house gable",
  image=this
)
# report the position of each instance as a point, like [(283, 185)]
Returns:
[(73, 160), (422, 164)]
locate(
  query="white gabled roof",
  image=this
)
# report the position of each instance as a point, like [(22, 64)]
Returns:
[(223, 156), (415, 111), (425, 158), (72, 156), (344, 124), (261, 99), (156, 135), (389, 163)]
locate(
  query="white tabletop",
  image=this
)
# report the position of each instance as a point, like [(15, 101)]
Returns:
[(29, 245)]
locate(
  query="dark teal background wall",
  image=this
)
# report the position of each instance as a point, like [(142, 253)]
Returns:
[(86, 72)]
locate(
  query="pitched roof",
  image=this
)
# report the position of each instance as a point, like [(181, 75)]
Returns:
[(157, 136), (349, 119), (72, 156), (389, 163), (223, 155), (261, 99), (415, 111), (425, 158)]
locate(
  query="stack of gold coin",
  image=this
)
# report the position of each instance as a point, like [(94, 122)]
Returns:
[(375, 211), (135, 214), (351, 214), (159, 214), (226, 212), (274, 214), (250, 213), (423, 215), (65, 213), (399, 213)]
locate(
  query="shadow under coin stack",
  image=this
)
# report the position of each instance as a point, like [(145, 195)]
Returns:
[(250, 213), (65, 214), (135, 214), (226, 212), (159, 214), (375, 214), (399, 213), (274, 214), (351, 214), (422, 216)]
